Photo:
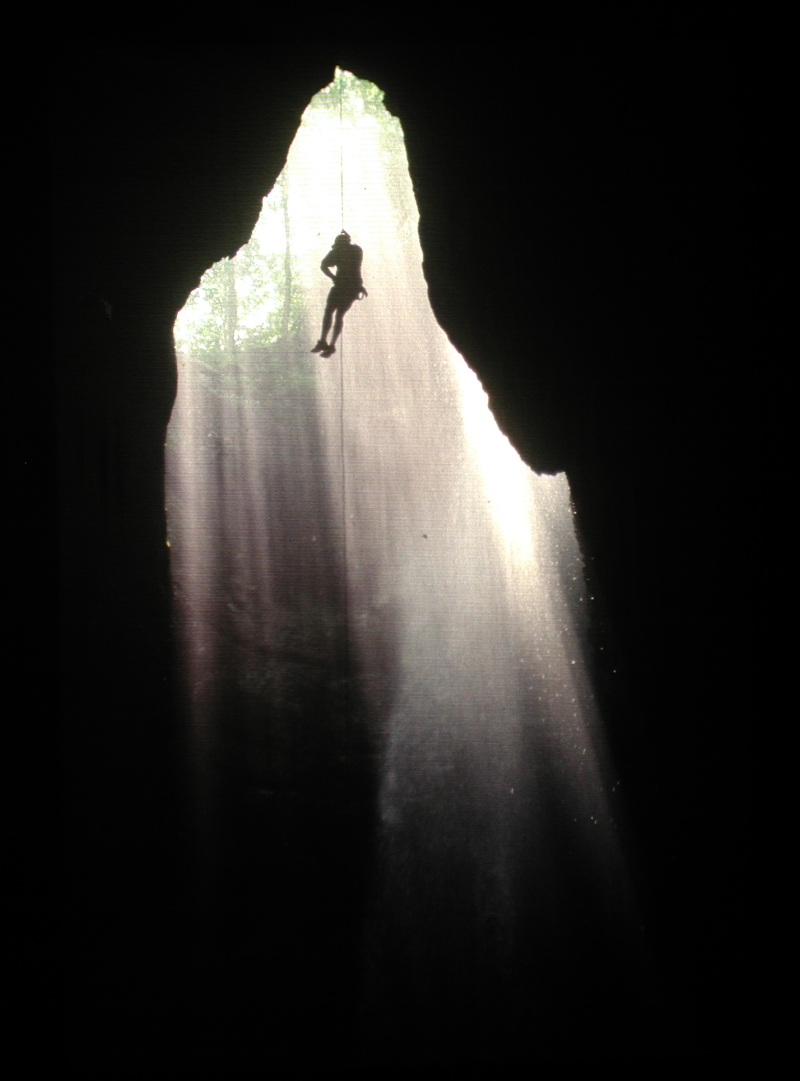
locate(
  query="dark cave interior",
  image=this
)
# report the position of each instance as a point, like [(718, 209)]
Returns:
[(575, 210)]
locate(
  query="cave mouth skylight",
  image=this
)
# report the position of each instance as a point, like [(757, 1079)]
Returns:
[(367, 575)]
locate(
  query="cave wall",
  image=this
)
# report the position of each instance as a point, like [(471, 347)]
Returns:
[(575, 208)]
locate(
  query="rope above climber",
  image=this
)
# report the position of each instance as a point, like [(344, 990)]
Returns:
[(347, 287)]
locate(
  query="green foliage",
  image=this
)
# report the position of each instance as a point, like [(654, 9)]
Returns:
[(352, 95), (248, 302), (244, 327), (349, 98)]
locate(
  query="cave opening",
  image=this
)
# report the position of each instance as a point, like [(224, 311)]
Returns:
[(396, 754)]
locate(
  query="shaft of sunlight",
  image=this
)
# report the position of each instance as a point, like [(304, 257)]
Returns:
[(367, 572)]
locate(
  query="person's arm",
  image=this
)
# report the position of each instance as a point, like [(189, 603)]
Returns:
[(359, 256), (327, 263)]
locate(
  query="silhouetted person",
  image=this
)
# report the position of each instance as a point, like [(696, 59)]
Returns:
[(347, 287)]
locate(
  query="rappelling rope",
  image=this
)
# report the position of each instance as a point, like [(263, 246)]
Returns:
[(341, 154), (346, 583)]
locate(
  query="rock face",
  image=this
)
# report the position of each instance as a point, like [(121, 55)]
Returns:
[(574, 208)]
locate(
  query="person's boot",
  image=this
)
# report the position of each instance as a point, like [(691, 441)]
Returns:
[(320, 347), (328, 351)]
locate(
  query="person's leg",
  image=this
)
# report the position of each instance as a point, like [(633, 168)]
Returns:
[(342, 307), (326, 324), (326, 319), (337, 326)]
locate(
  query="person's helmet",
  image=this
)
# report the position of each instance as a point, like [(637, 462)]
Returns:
[(342, 238)]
